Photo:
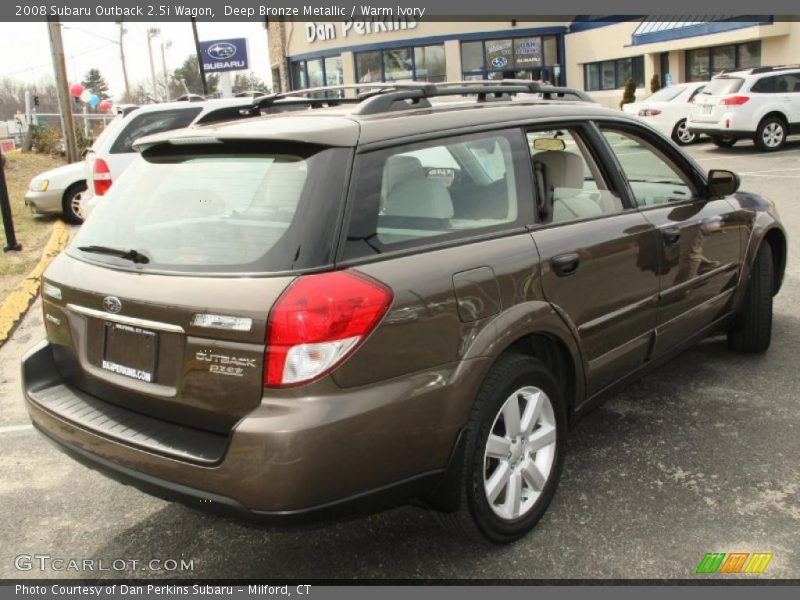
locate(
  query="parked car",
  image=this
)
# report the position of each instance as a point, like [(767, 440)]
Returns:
[(667, 109), (113, 151), (343, 309), (760, 104), (58, 191)]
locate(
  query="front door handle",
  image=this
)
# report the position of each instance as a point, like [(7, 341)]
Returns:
[(566, 264), (671, 235)]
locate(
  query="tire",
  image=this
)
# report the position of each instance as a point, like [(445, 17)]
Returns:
[(681, 135), (71, 203), (723, 142), (752, 329), (771, 134), (526, 382)]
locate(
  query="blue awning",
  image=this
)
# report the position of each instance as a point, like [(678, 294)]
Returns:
[(664, 29)]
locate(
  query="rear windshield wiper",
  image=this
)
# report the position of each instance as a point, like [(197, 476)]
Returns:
[(131, 255)]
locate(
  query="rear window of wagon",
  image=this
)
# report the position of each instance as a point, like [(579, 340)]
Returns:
[(222, 208)]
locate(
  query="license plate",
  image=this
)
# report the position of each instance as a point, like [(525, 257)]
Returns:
[(707, 109), (130, 351)]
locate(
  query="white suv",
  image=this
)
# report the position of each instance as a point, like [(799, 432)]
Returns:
[(760, 104), (113, 151)]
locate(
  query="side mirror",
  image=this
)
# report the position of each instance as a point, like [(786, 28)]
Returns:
[(722, 182)]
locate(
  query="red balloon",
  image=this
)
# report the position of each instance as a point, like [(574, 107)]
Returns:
[(76, 89), (104, 106)]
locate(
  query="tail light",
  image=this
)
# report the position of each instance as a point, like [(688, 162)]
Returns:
[(317, 322), (734, 100), (649, 112), (101, 175)]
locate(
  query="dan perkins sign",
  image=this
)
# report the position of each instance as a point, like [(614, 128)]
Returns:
[(224, 55), (323, 32)]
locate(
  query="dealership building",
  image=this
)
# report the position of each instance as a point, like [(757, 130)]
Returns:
[(594, 54)]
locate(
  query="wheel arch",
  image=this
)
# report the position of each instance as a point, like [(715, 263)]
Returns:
[(777, 244), (72, 186), (535, 329), (774, 113)]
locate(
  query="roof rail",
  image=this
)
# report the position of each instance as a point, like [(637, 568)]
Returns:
[(769, 69), (485, 90), (375, 98)]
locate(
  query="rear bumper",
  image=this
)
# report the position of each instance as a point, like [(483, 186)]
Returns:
[(289, 460), (719, 131), (44, 203)]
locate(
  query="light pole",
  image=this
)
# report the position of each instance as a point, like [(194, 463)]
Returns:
[(122, 32), (151, 33), (165, 46)]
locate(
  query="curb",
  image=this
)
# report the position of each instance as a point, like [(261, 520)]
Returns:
[(17, 302)]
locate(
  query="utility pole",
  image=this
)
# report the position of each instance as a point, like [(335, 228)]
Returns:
[(64, 99), (151, 33), (199, 57), (124, 66)]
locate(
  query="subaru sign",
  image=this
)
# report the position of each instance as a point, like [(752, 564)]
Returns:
[(224, 55)]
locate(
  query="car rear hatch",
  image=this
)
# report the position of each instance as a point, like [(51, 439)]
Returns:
[(709, 105), (161, 302)]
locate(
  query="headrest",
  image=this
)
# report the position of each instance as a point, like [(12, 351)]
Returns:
[(564, 171), (419, 197)]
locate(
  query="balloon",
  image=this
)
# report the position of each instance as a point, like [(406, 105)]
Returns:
[(94, 100), (104, 106), (85, 95), (76, 89)]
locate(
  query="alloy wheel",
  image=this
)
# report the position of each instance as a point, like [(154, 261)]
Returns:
[(75, 204), (684, 135), (773, 134), (520, 453)]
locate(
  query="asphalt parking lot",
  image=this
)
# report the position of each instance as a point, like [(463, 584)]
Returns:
[(701, 456)]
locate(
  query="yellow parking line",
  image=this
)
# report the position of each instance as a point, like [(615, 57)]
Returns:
[(17, 302)]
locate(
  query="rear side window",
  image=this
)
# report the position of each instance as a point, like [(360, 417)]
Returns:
[(719, 86), (439, 190), (153, 122), (252, 208), (765, 85)]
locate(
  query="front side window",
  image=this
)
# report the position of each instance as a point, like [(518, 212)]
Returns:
[(439, 190), (653, 178), (569, 184), (152, 122)]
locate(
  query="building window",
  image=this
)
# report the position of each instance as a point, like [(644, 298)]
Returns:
[(704, 63), (316, 72), (430, 64), (613, 74), (421, 63), (530, 57)]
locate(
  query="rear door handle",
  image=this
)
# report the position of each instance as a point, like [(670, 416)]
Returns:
[(671, 235), (566, 264)]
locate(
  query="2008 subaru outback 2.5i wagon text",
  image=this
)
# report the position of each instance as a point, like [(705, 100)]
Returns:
[(388, 299)]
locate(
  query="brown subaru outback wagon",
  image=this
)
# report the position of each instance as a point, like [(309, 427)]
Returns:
[(388, 299)]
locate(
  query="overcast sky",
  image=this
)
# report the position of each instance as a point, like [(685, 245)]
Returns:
[(27, 49)]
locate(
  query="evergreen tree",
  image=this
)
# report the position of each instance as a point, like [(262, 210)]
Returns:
[(655, 83), (629, 95), (94, 81), (245, 82), (187, 77)]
